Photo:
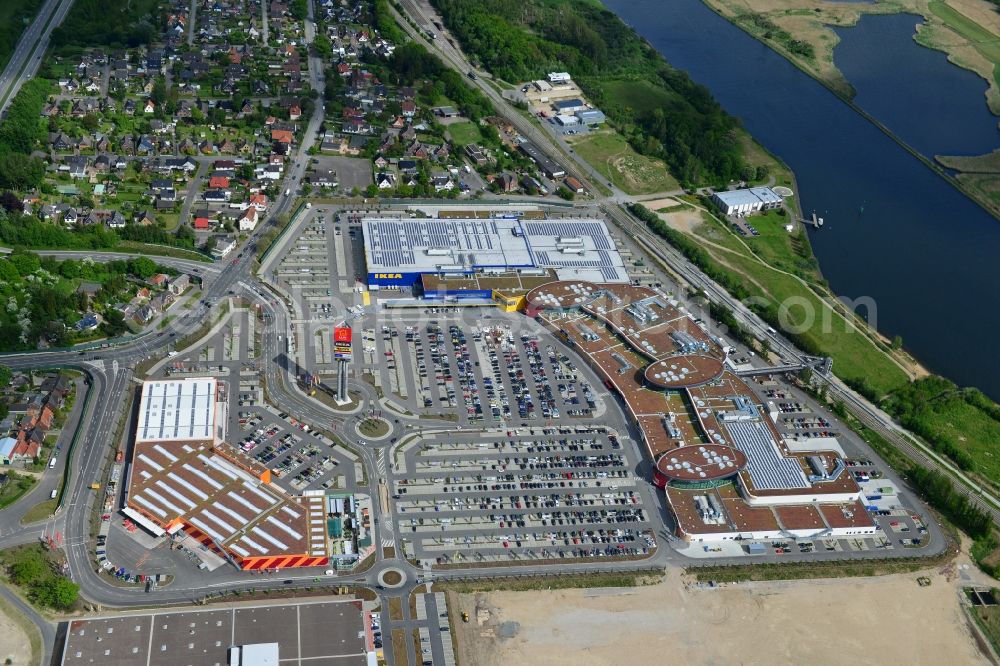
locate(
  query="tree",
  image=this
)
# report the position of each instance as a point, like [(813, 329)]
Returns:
[(5, 375), (25, 262), (11, 202), (27, 570), (897, 342), (56, 592), (142, 267), (159, 94), (20, 172)]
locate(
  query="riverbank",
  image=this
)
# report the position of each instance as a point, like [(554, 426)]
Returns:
[(804, 33), (968, 31)]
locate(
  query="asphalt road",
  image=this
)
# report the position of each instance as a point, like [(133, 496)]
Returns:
[(110, 373), (30, 49)]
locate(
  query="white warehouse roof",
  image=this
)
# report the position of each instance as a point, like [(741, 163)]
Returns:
[(579, 248), (750, 196), (176, 410)]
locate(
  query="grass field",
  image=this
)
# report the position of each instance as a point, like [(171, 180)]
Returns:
[(985, 186), (633, 173), (399, 647), (542, 582), (982, 39), (799, 570), (640, 96), (40, 511), (764, 272), (854, 355), (970, 429), (464, 133), (789, 251), (13, 486), (988, 619), (988, 163)]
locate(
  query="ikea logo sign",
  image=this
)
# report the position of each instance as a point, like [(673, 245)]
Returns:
[(388, 276)]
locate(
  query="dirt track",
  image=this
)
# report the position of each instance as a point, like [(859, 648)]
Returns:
[(887, 620)]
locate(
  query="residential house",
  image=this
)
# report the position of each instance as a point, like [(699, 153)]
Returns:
[(179, 284), (161, 301), (224, 244), (442, 182), (248, 219), (144, 314), (145, 218), (89, 290)]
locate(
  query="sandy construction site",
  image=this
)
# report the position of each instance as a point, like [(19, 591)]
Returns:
[(14, 643), (886, 620)]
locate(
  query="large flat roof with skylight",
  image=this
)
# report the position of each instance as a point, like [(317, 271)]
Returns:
[(576, 248), (177, 410)]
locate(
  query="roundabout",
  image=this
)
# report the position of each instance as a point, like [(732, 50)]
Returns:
[(392, 578), (373, 427)]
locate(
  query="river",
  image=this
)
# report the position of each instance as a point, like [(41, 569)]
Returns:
[(893, 75), (895, 231)]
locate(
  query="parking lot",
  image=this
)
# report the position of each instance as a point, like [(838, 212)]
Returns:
[(520, 494), (298, 459), (482, 374), (320, 271)]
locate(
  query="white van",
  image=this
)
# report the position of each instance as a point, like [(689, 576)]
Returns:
[(53, 494)]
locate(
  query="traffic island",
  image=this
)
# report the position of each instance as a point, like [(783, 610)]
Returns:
[(392, 578), (373, 427)]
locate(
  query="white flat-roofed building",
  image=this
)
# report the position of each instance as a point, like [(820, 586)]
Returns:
[(747, 201), (180, 410), (399, 250), (559, 78)]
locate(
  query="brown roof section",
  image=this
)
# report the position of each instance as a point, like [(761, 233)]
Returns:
[(704, 462), (846, 515), (216, 492), (800, 517), (684, 371), (684, 509)]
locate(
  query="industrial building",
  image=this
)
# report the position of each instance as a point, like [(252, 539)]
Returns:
[(550, 168), (591, 116), (741, 203), (399, 251), (569, 105), (182, 476), (310, 632)]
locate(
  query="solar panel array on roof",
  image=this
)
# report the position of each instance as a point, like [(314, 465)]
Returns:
[(426, 246), (768, 469)]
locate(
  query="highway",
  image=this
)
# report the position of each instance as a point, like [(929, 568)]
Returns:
[(31, 49)]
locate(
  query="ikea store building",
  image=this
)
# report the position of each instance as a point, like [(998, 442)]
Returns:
[(400, 250)]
